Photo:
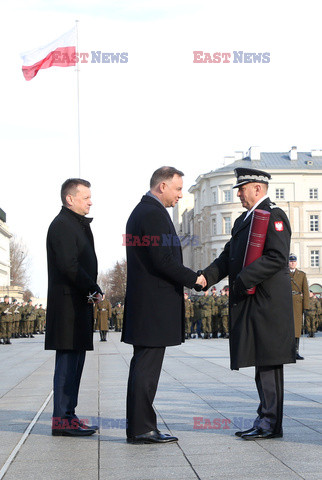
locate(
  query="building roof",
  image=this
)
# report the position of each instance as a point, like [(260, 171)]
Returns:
[(277, 161)]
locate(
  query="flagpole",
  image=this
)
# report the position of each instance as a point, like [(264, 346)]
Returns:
[(78, 113)]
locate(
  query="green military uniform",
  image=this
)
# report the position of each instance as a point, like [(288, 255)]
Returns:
[(16, 321), (205, 305), (311, 316), (30, 317), (223, 306), (40, 319), (196, 317), (215, 319), (300, 296), (117, 315), (23, 320), (188, 316), (6, 322), (102, 315)]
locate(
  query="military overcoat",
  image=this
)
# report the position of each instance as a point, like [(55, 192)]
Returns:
[(300, 294), (261, 325)]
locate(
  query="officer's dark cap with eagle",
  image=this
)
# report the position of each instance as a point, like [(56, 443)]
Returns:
[(250, 175)]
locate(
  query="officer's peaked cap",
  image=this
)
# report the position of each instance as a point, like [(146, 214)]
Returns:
[(250, 175)]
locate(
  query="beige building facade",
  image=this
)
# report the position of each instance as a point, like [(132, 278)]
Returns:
[(5, 236), (296, 187)]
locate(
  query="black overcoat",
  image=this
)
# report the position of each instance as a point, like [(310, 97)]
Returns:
[(72, 273), (154, 304), (261, 325)]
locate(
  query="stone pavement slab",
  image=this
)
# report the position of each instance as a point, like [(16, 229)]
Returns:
[(199, 399)]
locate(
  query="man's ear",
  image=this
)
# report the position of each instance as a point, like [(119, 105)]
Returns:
[(69, 199)]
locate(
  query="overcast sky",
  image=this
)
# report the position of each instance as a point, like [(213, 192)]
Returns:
[(160, 108)]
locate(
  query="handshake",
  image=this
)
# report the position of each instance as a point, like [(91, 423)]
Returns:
[(201, 281)]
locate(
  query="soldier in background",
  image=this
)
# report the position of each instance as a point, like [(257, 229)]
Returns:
[(117, 314), (196, 322), (205, 305), (23, 320), (188, 316), (6, 319), (224, 312), (215, 319), (40, 319), (102, 315), (30, 317), (311, 315), (300, 295), (16, 319)]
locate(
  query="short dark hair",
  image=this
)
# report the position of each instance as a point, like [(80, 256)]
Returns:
[(69, 187), (162, 174)]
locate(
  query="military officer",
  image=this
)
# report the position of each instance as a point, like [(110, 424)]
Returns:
[(224, 312), (205, 305), (300, 295), (102, 315), (215, 312), (40, 319), (196, 322), (117, 314), (311, 315), (188, 307), (16, 319), (30, 318), (6, 315), (23, 320)]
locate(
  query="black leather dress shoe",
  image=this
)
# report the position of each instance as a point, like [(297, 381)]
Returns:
[(298, 357), (260, 434), (242, 432), (72, 432), (152, 437), (84, 425)]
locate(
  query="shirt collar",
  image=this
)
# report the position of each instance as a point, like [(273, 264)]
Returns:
[(149, 194), (255, 206)]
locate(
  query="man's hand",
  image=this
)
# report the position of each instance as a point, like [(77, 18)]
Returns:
[(201, 281)]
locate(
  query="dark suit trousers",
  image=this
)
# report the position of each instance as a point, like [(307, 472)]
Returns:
[(142, 385), (67, 376), (270, 387)]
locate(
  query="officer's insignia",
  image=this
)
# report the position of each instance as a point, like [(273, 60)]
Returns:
[(279, 226)]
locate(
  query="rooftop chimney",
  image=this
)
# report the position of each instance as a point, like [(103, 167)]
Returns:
[(293, 153), (254, 153)]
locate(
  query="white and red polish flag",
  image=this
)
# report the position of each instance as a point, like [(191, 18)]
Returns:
[(59, 53)]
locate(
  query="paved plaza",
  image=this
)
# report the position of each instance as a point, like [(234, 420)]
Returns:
[(199, 399)]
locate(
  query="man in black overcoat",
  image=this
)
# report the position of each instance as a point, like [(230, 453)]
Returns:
[(261, 326), (72, 290), (154, 303)]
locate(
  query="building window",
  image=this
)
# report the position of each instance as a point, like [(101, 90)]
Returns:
[(214, 226), (226, 225), (314, 223), (314, 194), (227, 196), (315, 258), (215, 196), (279, 194)]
